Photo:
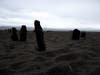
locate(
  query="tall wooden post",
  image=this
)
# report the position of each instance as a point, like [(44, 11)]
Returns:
[(39, 36)]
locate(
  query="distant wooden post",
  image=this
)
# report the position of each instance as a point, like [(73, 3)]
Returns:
[(14, 35), (39, 36), (23, 33), (83, 35), (76, 34)]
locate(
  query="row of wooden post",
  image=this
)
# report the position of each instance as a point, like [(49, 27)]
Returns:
[(23, 34), (77, 34), (40, 35)]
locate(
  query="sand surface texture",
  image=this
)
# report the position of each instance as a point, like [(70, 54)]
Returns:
[(62, 57)]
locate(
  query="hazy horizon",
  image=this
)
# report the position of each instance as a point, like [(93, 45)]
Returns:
[(57, 14)]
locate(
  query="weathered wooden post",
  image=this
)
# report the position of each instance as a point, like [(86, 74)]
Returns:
[(76, 34), (14, 35), (39, 36), (23, 33)]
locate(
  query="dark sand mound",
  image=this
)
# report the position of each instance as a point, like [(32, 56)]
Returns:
[(60, 69)]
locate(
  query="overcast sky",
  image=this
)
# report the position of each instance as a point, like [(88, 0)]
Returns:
[(69, 14)]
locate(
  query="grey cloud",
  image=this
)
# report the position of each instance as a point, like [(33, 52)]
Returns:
[(85, 11)]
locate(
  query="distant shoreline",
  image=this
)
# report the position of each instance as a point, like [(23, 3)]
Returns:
[(47, 29)]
